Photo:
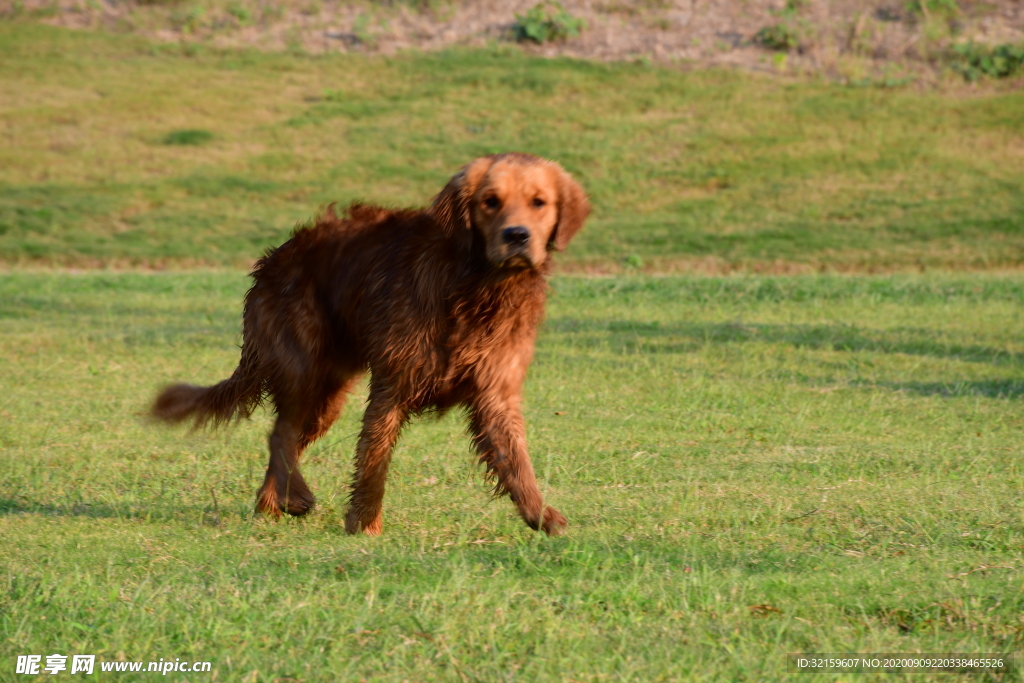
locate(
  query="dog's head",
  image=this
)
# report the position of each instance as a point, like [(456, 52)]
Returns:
[(523, 206)]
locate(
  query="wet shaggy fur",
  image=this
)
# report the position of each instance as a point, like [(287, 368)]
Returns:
[(440, 306)]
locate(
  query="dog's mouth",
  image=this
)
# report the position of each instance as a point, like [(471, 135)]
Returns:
[(517, 262)]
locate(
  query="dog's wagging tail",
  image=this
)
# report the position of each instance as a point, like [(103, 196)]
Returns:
[(439, 305), (235, 397)]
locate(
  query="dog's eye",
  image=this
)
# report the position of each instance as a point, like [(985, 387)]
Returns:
[(492, 202), (538, 202)]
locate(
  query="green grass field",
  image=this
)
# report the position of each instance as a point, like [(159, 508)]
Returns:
[(711, 169), (752, 465), (844, 450)]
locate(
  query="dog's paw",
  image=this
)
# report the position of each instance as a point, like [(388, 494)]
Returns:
[(266, 502), (554, 522), (297, 506), (372, 527)]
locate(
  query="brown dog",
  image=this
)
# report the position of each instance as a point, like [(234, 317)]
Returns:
[(440, 305)]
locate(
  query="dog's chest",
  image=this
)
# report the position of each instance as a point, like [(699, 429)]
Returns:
[(476, 347)]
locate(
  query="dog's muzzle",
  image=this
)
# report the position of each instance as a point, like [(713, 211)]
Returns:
[(516, 236)]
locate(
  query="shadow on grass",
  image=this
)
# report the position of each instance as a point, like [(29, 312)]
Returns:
[(991, 388), (628, 336), (22, 505)]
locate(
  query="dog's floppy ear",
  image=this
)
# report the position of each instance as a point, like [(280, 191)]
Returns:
[(573, 209), (451, 205)]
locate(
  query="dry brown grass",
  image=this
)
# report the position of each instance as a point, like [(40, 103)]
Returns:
[(850, 39)]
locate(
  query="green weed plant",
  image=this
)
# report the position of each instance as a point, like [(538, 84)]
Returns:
[(547, 21)]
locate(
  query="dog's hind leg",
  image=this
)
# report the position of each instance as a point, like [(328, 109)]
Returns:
[(284, 488), (382, 424), (499, 435)]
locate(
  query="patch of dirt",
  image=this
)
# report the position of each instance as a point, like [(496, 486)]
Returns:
[(841, 38)]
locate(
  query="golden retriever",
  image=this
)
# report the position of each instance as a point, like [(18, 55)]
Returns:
[(440, 305)]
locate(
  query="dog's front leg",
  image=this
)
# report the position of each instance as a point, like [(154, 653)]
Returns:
[(382, 423), (500, 437)]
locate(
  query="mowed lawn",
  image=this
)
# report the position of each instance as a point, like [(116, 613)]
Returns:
[(751, 466), (116, 150)]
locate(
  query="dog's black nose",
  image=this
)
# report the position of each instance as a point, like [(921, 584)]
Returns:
[(516, 236)]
